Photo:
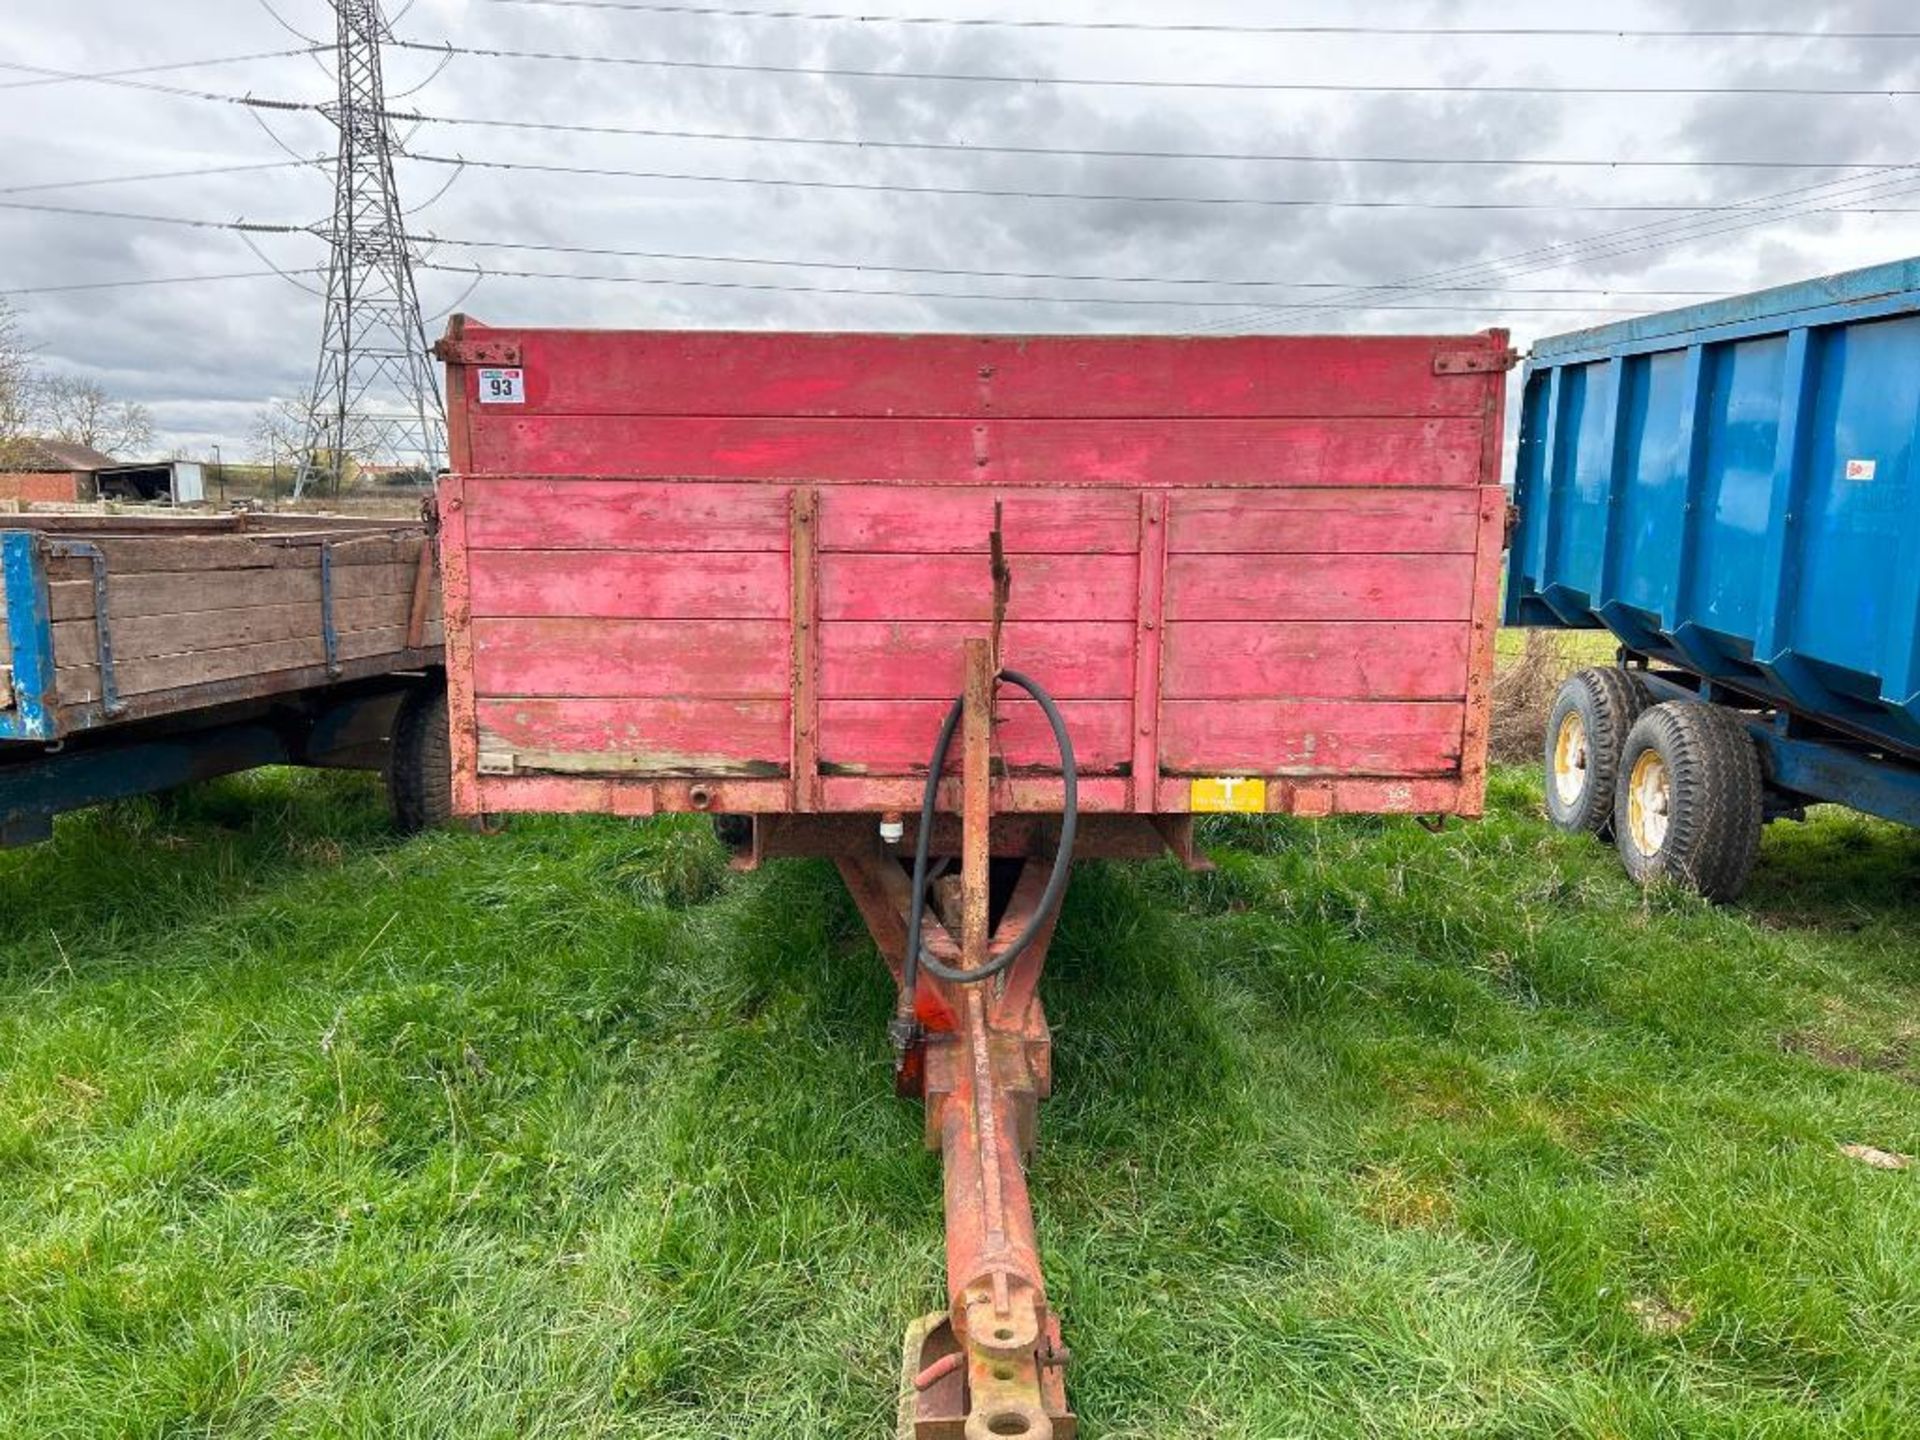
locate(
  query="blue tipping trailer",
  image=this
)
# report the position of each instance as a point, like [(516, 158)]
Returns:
[(1733, 490)]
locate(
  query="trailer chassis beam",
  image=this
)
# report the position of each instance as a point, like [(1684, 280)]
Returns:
[(981, 1056)]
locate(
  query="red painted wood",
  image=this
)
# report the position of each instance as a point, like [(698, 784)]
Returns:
[(1354, 795), (1002, 452), (1319, 587), (727, 732), (597, 795), (627, 514), (1148, 642), (870, 660), (943, 520), (1017, 795), (959, 587), (896, 736), (637, 585), (734, 659), (457, 620), (768, 373), (1309, 737), (1234, 660), (1325, 522)]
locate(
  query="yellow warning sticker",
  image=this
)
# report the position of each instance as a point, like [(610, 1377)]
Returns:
[(1226, 793)]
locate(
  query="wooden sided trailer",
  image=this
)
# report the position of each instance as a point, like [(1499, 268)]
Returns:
[(897, 600), (141, 652)]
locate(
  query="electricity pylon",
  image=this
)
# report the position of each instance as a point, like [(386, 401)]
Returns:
[(375, 394)]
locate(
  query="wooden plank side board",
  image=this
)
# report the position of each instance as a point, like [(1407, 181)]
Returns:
[(640, 585), (80, 683), (1403, 521), (1240, 659), (730, 659), (1316, 452), (200, 554), (1050, 588), (895, 737), (945, 520), (179, 593), (142, 637), (520, 513), (1310, 737), (634, 736), (666, 373), (1320, 587), (921, 660)]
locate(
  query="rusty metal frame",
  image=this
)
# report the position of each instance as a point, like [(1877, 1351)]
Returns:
[(980, 1055)]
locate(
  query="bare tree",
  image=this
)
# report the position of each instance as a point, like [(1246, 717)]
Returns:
[(16, 381), (279, 430), (67, 407)]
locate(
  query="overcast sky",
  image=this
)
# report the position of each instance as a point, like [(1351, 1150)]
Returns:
[(206, 357)]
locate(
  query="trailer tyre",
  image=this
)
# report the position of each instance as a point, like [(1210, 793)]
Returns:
[(1688, 803), (420, 769), (1586, 733)]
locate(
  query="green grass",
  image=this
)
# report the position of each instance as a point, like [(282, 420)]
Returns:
[(305, 1131)]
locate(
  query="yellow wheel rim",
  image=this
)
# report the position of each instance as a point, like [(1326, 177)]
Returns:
[(1649, 803), (1570, 759)]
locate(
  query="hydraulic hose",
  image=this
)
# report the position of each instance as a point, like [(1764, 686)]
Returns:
[(916, 957)]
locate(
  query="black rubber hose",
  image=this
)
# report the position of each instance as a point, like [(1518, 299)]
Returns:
[(916, 957)]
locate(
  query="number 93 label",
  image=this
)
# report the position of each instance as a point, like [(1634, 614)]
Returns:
[(503, 387)]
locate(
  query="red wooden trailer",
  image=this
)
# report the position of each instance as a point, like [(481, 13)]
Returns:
[(749, 574)]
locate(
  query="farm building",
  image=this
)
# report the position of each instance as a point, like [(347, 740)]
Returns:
[(33, 469)]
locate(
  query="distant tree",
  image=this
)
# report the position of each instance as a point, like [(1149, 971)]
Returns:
[(16, 380), (67, 407)]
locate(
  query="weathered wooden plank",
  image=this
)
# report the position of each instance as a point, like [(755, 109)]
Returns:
[(138, 637), (178, 593), (989, 452), (1310, 737), (1319, 587), (635, 736), (1238, 659), (1325, 522), (731, 659), (132, 555), (895, 737), (1343, 795), (960, 587), (80, 684), (951, 520), (626, 514), (873, 660), (667, 373), (630, 584)]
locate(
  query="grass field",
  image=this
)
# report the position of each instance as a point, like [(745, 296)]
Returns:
[(306, 1131)]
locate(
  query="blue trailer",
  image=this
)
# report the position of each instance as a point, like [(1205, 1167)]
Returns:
[(1731, 490)]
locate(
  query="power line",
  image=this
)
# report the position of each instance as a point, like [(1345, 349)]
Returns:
[(843, 72), (1198, 28), (154, 280), (889, 187), (1088, 277), (248, 227), (1654, 235), (194, 173), (900, 294), (416, 117), (161, 88), (48, 76), (961, 147)]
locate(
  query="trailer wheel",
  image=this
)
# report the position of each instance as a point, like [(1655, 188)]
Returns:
[(420, 766), (1586, 731), (1688, 804)]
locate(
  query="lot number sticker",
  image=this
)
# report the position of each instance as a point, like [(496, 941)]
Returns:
[(503, 387), (1862, 469)]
